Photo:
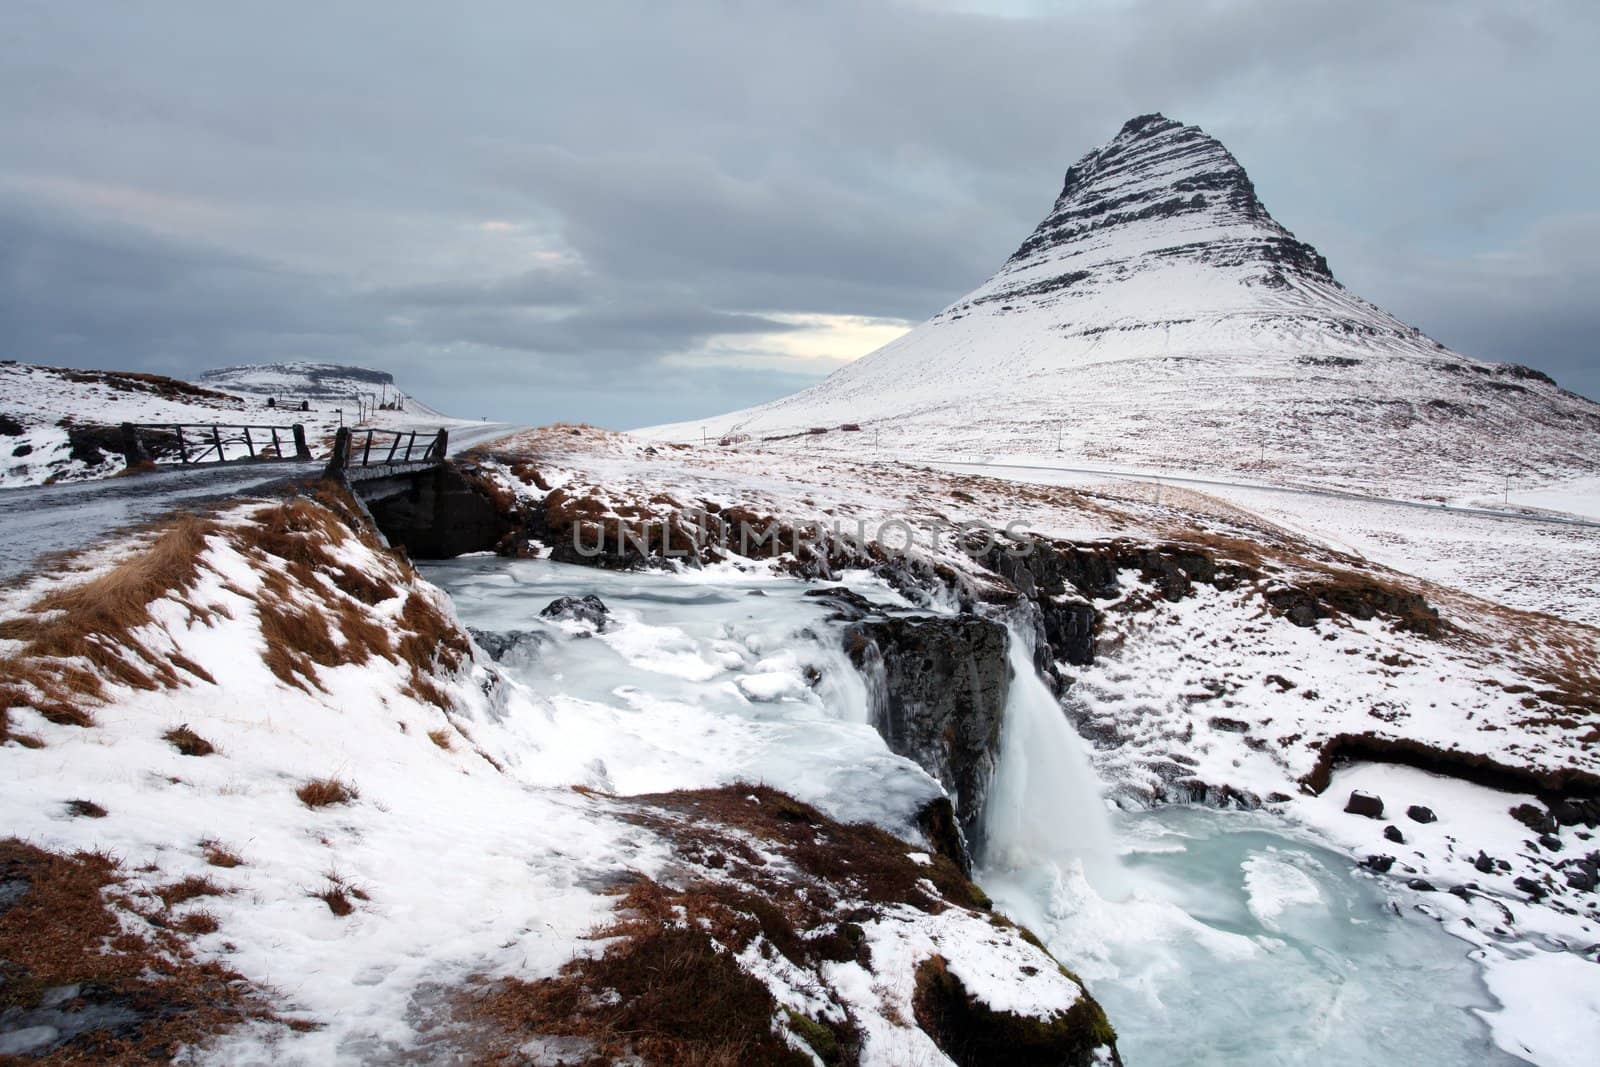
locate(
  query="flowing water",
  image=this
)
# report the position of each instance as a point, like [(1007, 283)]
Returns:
[(1211, 937)]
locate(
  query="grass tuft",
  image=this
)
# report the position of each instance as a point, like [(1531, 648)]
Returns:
[(321, 792), (188, 888), (219, 855), (187, 742), (85, 809), (197, 922)]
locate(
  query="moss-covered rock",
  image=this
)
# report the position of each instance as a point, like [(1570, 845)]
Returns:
[(975, 1035)]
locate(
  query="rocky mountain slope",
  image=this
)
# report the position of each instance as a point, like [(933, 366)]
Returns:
[(1159, 317)]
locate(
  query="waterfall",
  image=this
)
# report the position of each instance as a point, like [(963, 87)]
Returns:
[(1046, 806)]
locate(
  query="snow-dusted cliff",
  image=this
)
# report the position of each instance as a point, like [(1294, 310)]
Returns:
[(1160, 317)]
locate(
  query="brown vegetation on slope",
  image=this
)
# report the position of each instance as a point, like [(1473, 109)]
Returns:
[(112, 995), (758, 871), (314, 609)]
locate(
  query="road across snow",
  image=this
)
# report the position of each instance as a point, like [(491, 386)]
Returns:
[(42, 520)]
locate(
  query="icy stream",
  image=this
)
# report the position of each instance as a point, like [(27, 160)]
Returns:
[(1210, 937)]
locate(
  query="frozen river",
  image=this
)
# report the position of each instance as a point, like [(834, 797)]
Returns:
[(1210, 937)]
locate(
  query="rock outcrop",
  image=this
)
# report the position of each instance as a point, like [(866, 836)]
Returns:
[(940, 698)]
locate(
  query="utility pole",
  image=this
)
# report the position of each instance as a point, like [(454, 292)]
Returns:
[(1060, 429), (1508, 490)]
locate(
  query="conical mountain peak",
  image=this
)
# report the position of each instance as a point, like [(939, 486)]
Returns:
[(1161, 186), (1160, 317)]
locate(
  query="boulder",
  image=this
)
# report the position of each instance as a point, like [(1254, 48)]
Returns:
[(1418, 813), (1392, 833), (1381, 864), (1483, 863), (1363, 803), (588, 609)]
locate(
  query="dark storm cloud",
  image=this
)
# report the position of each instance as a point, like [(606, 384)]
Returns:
[(517, 207)]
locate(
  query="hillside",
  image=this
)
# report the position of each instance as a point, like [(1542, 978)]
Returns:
[(1159, 318), (321, 383)]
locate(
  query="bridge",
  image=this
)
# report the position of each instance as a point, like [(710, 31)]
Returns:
[(418, 499)]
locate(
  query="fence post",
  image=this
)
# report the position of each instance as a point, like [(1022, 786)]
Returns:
[(131, 450), (443, 444), (301, 451), (341, 453)]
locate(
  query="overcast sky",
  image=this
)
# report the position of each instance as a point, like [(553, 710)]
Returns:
[(631, 213)]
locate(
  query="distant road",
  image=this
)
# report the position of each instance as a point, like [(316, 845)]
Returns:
[(1490, 513), (41, 520)]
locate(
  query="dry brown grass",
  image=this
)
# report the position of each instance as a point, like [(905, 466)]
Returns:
[(187, 742), (80, 636), (85, 809), (63, 932), (187, 889), (219, 855), (441, 738), (321, 792), (197, 922), (663, 992), (340, 894), (314, 611)]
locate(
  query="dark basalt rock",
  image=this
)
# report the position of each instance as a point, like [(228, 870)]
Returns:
[(1357, 598), (1530, 887), (9, 427), (1392, 833), (937, 821), (92, 445), (847, 604), (1367, 804), (1484, 863), (1419, 813), (588, 609), (1535, 818), (942, 698), (509, 644), (1381, 864), (1421, 885)]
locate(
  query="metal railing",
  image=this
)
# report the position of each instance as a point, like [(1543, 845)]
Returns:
[(193, 443)]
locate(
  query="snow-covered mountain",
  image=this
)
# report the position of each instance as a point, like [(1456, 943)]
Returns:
[(1159, 317)]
